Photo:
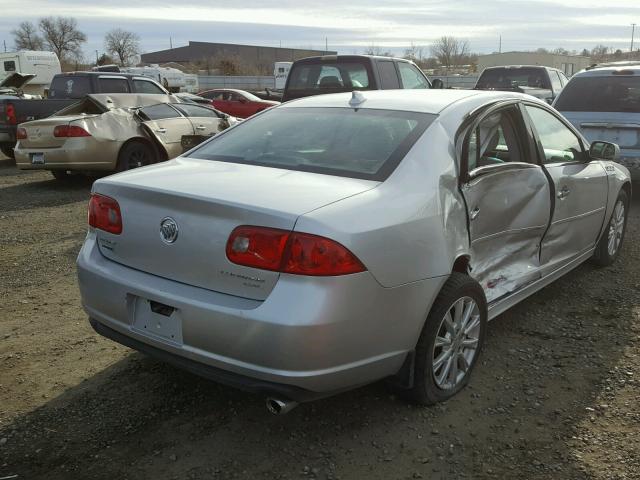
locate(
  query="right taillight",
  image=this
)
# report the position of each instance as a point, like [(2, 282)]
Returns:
[(69, 131), (10, 111), (104, 213), (290, 252), (21, 133)]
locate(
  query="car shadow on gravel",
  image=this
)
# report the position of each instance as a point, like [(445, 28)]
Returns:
[(546, 365), (45, 193)]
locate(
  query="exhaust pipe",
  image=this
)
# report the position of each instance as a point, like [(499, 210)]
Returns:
[(280, 407)]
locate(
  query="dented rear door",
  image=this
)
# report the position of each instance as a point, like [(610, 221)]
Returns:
[(167, 125)]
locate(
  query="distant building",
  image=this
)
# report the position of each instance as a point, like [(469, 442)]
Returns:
[(249, 55), (569, 64)]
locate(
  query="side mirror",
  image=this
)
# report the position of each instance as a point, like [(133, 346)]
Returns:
[(604, 151), (437, 83)]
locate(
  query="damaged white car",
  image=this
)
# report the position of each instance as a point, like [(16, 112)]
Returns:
[(115, 132)]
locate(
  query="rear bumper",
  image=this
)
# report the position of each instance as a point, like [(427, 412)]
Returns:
[(83, 154), (311, 337)]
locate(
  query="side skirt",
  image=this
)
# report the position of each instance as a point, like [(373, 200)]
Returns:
[(503, 304)]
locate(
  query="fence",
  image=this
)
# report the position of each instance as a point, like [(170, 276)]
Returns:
[(207, 82)]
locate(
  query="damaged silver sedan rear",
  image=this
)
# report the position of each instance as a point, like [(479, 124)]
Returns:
[(115, 132), (341, 239)]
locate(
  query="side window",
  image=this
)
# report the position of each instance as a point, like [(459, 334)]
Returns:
[(113, 85), (10, 66), (388, 75), (411, 76), (145, 86), (158, 112), (559, 143), (196, 111), (495, 141), (330, 77), (555, 81), (563, 79)]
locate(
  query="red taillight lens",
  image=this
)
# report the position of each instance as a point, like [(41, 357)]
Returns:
[(290, 252), (104, 213), (70, 131), (11, 114), (21, 133)]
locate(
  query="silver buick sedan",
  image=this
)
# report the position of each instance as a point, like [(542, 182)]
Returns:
[(341, 239)]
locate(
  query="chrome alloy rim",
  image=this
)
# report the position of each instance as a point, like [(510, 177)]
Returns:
[(616, 228), (456, 344)]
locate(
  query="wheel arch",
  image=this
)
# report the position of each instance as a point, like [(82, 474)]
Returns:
[(161, 154)]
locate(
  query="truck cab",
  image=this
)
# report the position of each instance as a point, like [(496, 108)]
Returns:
[(347, 73), (541, 82)]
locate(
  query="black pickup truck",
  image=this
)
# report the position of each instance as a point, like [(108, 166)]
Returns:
[(541, 82), (65, 89)]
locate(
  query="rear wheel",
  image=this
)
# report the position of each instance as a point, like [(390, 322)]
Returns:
[(8, 151), (450, 342), (134, 155), (608, 247)]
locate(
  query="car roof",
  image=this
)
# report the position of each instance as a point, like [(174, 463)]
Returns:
[(329, 58), (431, 101), (520, 66), (607, 71), (101, 74)]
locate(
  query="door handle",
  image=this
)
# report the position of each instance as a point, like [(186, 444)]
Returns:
[(161, 130), (201, 127), (474, 213), (564, 192)]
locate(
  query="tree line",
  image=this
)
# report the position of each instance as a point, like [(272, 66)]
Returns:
[(62, 36)]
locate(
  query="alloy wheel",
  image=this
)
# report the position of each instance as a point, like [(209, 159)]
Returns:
[(616, 228)]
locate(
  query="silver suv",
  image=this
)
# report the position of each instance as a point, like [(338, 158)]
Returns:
[(604, 104)]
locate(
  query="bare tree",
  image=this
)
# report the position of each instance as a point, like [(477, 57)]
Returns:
[(61, 35), (561, 51), (122, 44), (26, 37), (374, 50), (599, 52), (414, 53), (450, 51)]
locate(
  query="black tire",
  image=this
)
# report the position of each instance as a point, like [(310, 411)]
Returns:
[(62, 175), (603, 255), (8, 151), (134, 155), (425, 390)]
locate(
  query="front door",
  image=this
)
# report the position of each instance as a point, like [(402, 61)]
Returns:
[(580, 189), (508, 201)]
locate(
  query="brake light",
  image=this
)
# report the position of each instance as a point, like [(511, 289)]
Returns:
[(70, 131), (11, 114), (290, 252), (21, 133), (104, 213)]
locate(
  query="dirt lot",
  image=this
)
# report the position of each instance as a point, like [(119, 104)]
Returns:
[(556, 394)]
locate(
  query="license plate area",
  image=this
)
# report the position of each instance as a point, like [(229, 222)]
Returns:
[(37, 158), (157, 319)]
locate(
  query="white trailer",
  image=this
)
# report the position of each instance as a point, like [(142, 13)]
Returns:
[(44, 65), (170, 78), (281, 72)]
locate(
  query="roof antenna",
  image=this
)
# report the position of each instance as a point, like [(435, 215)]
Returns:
[(356, 98)]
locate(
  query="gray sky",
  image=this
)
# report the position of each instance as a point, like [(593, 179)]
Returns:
[(394, 25)]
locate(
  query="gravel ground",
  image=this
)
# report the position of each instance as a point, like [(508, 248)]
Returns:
[(556, 393)]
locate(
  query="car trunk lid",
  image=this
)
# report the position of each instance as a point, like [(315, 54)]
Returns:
[(207, 200), (40, 132), (621, 128)]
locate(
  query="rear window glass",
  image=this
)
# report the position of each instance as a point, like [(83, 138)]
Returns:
[(145, 86), (600, 94), (329, 76), (70, 87), (513, 77), (363, 143), (113, 85)]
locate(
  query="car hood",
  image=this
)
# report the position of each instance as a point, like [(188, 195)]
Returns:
[(16, 80)]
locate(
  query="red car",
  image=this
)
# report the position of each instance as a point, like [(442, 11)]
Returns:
[(236, 102)]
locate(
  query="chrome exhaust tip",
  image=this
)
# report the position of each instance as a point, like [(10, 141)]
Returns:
[(280, 407)]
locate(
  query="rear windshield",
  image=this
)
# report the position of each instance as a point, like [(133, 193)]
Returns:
[(513, 77), (364, 143), (600, 94), (69, 87), (327, 76)]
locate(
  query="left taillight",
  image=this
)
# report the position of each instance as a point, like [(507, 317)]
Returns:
[(290, 252), (21, 133), (104, 213)]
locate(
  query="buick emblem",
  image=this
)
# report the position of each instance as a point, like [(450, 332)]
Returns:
[(168, 230)]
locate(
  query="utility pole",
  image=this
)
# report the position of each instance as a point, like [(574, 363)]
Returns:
[(326, 44), (170, 43), (500, 45), (5, 46), (633, 31), (96, 58)]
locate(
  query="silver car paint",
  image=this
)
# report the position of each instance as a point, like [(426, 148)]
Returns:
[(321, 333)]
